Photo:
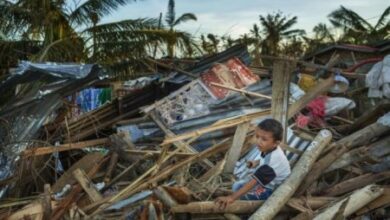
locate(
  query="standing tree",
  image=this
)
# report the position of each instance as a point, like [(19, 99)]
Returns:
[(357, 29), (172, 22), (277, 27), (60, 32)]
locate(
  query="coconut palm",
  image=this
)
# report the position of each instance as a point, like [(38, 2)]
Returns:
[(323, 34), (277, 27), (172, 22), (255, 31), (65, 34), (357, 29)]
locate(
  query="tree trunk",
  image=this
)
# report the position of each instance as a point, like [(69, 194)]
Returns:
[(243, 207), (355, 183), (283, 193), (355, 201)]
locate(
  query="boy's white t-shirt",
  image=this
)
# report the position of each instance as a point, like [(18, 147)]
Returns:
[(273, 169)]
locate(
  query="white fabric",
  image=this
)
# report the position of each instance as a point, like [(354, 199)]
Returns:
[(277, 160), (378, 79)]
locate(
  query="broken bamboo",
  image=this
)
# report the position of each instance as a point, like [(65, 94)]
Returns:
[(357, 200)]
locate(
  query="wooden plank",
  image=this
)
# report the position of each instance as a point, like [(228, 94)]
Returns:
[(163, 174), (86, 163), (74, 195), (46, 202), (87, 185), (244, 207), (157, 152), (281, 75), (355, 183), (218, 126), (111, 166), (254, 94), (179, 144), (309, 96), (64, 147), (235, 150)]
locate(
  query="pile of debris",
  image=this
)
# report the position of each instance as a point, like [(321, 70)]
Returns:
[(167, 149)]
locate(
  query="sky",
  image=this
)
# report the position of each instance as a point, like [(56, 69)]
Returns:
[(235, 17)]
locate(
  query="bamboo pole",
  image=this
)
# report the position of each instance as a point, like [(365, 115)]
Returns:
[(283, 193)]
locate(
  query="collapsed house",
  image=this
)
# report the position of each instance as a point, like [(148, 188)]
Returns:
[(168, 148)]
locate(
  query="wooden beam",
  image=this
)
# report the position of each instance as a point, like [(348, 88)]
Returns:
[(163, 174), (87, 185), (244, 207), (179, 144), (87, 163), (354, 202), (235, 150), (227, 123), (355, 183), (158, 152), (46, 202), (254, 94), (64, 147), (337, 149), (309, 96), (111, 165), (281, 75)]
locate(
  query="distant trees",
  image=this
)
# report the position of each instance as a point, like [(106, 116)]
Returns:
[(358, 30)]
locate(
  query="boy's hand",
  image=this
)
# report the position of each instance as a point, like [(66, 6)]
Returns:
[(252, 163), (223, 201)]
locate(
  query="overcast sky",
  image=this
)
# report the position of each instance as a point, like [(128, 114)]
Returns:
[(235, 17)]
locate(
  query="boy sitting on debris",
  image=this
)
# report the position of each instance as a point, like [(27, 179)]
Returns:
[(272, 168)]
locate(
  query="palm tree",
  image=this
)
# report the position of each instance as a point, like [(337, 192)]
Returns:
[(255, 31), (206, 46), (323, 36), (63, 34), (277, 27), (172, 22), (357, 29)]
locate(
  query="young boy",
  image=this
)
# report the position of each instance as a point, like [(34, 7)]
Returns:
[(272, 168)]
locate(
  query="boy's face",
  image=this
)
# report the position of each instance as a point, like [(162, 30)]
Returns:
[(265, 140)]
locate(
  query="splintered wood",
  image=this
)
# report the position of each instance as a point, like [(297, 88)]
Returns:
[(169, 150)]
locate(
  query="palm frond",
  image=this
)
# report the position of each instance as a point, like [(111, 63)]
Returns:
[(170, 15), (100, 8), (383, 21), (184, 18), (289, 23), (127, 25), (348, 19)]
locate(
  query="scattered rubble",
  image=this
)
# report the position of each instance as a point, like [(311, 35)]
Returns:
[(171, 145)]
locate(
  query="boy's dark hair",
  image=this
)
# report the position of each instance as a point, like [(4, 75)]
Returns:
[(273, 126)]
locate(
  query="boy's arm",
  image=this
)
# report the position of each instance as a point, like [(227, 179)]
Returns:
[(225, 200)]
